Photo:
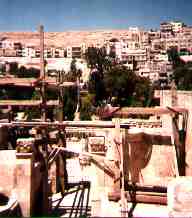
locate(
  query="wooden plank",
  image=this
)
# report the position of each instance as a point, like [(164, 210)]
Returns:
[(151, 111), (33, 103), (148, 199), (126, 111), (31, 82), (141, 197)]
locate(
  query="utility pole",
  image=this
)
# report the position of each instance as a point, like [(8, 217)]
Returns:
[(45, 200), (42, 72)]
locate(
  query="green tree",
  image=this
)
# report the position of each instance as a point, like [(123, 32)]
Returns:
[(182, 76), (23, 72), (74, 74), (86, 109), (96, 87), (14, 68), (34, 112), (173, 57), (97, 58), (70, 102), (143, 94), (99, 63), (119, 83)]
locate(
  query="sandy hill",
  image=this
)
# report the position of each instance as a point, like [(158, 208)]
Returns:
[(64, 39)]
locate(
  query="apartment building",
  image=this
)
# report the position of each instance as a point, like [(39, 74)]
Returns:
[(137, 55), (153, 35), (28, 51), (166, 27), (177, 26), (76, 51), (9, 52)]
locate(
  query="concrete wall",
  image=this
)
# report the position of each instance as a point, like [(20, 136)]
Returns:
[(182, 99)]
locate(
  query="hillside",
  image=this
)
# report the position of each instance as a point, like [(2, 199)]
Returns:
[(64, 39)]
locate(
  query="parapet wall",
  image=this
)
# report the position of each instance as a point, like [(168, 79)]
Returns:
[(182, 99)]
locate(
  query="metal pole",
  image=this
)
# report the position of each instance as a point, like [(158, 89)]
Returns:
[(82, 124), (42, 72)]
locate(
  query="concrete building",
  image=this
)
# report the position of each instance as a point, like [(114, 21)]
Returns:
[(154, 35), (7, 44), (28, 51), (75, 51), (138, 55), (177, 26), (9, 52), (166, 27)]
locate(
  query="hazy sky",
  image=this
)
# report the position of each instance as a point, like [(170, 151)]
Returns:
[(61, 15)]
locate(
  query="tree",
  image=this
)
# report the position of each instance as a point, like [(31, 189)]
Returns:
[(143, 94), (182, 76), (173, 56), (119, 83), (70, 102), (86, 109), (114, 83), (23, 71), (96, 87), (34, 112), (14, 68), (124, 88), (74, 74), (100, 63), (97, 58)]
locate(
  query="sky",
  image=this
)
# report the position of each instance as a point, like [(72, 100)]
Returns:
[(67, 15)]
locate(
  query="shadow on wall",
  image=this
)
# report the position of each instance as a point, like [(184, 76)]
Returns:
[(140, 150), (151, 158)]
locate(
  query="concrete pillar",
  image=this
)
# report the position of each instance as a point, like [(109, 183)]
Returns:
[(24, 189), (180, 197), (113, 156), (7, 171)]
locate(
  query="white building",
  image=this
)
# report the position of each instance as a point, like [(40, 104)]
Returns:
[(177, 26), (28, 51), (7, 44)]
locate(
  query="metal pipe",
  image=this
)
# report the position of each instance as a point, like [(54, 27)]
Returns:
[(79, 203), (71, 212), (87, 202), (82, 201), (85, 124)]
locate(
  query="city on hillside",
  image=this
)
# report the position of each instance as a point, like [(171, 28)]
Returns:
[(149, 50)]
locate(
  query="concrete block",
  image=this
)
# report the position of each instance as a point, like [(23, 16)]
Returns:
[(180, 197), (7, 171), (24, 183)]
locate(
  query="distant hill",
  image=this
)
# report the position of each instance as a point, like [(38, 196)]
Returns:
[(64, 39)]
